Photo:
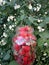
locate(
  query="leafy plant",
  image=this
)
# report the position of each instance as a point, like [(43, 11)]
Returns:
[(34, 13)]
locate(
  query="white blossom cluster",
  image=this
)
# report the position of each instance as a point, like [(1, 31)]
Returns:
[(2, 42), (16, 6), (40, 29), (5, 34), (11, 27), (11, 17), (39, 20), (45, 13), (37, 8)]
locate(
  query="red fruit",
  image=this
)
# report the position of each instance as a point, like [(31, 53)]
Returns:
[(17, 47), (22, 29), (22, 52), (24, 34), (25, 59), (29, 62), (26, 48), (28, 54)]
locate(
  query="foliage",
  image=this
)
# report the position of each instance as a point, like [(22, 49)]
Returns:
[(15, 13)]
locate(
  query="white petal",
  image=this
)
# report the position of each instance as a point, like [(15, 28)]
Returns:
[(39, 27), (45, 44), (16, 6), (45, 54), (4, 34), (43, 30), (39, 20), (30, 6)]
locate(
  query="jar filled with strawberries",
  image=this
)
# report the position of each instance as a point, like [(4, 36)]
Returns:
[(24, 43)]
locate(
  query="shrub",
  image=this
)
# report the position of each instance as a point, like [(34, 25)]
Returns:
[(34, 13)]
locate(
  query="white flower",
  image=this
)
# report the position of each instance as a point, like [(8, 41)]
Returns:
[(10, 27), (44, 54), (4, 34), (3, 42), (4, 25), (1, 53), (30, 6), (45, 12), (40, 29), (14, 19), (34, 8), (15, 14), (39, 5), (39, 20), (46, 44), (38, 8), (16, 6), (10, 18), (43, 29)]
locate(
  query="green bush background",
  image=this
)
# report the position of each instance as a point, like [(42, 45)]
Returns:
[(24, 16)]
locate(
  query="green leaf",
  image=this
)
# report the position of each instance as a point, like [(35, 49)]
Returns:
[(47, 20), (47, 41), (12, 2), (43, 24), (13, 63), (22, 17), (6, 57), (32, 20), (44, 34), (40, 42), (1, 21)]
